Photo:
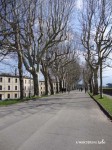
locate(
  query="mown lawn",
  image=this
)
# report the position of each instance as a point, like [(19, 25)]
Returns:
[(14, 101), (105, 102)]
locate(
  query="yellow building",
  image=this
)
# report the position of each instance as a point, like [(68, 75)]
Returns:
[(10, 88)]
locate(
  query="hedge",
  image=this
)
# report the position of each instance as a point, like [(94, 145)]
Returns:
[(107, 91)]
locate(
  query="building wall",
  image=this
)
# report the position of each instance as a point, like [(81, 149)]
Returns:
[(41, 88), (11, 88), (28, 87)]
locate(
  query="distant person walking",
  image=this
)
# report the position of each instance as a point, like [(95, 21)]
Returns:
[(85, 89), (81, 89), (68, 89)]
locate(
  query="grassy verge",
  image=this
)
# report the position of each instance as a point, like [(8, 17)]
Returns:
[(105, 102), (14, 101)]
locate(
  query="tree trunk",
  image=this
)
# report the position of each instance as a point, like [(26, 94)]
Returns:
[(46, 84), (101, 92), (95, 91), (20, 62), (45, 74), (57, 88), (51, 85), (35, 83), (60, 85), (90, 86), (57, 91)]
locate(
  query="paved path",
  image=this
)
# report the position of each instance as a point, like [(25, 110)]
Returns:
[(58, 122)]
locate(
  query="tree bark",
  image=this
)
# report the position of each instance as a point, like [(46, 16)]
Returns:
[(95, 91), (90, 85), (57, 88), (101, 91), (60, 85), (20, 62), (44, 71), (51, 85), (46, 84), (20, 59), (35, 83)]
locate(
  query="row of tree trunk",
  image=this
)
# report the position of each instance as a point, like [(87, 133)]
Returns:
[(90, 78)]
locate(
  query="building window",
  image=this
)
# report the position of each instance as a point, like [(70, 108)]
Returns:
[(8, 87), (15, 87), (41, 88), (15, 80), (9, 80), (41, 92), (0, 79), (0, 87), (8, 95), (41, 83), (15, 95)]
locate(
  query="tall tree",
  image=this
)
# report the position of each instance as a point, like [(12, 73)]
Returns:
[(43, 29), (11, 14), (96, 35)]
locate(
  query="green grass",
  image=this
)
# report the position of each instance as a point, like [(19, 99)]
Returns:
[(14, 101), (105, 102), (9, 102)]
